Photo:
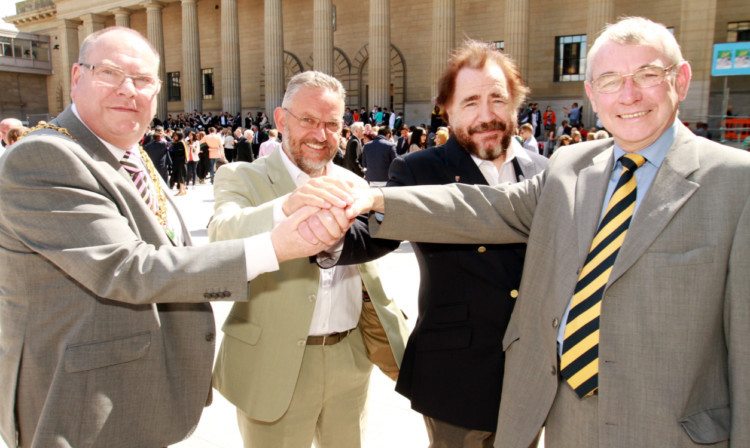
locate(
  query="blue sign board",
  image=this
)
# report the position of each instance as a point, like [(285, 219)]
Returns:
[(731, 59)]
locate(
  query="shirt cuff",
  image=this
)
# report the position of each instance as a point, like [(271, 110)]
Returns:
[(330, 257), (278, 212), (259, 255)]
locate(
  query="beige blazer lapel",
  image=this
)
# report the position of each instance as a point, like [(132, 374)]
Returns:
[(589, 197), (667, 194), (281, 182)]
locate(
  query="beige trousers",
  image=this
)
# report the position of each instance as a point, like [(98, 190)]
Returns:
[(328, 404)]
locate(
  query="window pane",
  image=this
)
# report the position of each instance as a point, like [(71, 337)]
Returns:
[(570, 58), (173, 87), (208, 83)]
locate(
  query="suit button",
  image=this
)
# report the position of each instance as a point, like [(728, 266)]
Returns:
[(227, 294), (554, 370), (206, 295), (514, 293), (482, 249), (311, 298), (301, 343), (210, 337), (555, 323)]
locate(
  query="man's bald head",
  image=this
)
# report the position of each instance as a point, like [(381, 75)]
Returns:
[(6, 125)]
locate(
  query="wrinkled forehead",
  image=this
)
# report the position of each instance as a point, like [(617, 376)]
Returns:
[(488, 80), (123, 50), (626, 58)]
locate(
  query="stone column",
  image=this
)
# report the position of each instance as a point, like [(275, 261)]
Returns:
[(517, 34), (122, 17), (696, 37), (156, 37), (379, 70), (323, 36), (443, 38), (273, 56), (231, 91), (190, 80), (92, 23), (69, 46), (600, 13)]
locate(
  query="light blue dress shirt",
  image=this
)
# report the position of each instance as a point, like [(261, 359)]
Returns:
[(644, 177)]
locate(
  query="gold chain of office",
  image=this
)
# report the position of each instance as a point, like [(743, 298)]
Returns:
[(161, 198)]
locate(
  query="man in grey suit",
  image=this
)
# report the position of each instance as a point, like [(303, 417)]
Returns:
[(666, 352), (107, 339)]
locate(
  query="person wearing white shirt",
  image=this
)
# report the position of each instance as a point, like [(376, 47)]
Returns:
[(270, 145), (526, 131), (294, 360)]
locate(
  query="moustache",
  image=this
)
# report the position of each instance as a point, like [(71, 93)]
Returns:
[(494, 125)]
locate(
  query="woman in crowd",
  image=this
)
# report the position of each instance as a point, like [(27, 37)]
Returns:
[(179, 153), (418, 139), (202, 168), (548, 119), (575, 136), (564, 140), (15, 133), (441, 136), (229, 141), (192, 159), (549, 143)]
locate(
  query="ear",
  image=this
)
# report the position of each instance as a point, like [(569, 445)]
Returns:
[(590, 94), (75, 76), (682, 80), (279, 117)]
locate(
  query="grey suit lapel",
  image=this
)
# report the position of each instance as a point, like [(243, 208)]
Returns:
[(88, 141), (668, 193), (96, 149), (590, 191)]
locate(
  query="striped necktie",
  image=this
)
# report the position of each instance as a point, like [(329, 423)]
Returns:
[(132, 166), (579, 363)]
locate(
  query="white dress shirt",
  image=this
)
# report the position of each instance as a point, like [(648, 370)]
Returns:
[(339, 299), (506, 173)]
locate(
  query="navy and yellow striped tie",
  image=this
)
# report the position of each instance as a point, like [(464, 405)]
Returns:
[(579, 363)]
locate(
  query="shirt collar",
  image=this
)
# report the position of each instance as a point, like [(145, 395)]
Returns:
[(656, 152), (298, 176), (515, 150)]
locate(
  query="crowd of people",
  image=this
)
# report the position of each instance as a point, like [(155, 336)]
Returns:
[(600, 294)]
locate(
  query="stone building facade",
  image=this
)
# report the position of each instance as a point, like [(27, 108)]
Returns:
[(236, 55)]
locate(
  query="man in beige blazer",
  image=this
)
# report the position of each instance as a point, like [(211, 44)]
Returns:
[(674, 316), (106, 339), (293, 359)]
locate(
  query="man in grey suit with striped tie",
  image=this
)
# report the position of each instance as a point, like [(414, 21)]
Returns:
[(106, 336), (632, 322)]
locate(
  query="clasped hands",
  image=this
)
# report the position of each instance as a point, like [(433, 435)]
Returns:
[(319, 213)]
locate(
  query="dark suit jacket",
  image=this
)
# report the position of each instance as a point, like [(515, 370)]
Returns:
[(244, 150), (353, 156), (377, 157), (159, 154), (453, 364), (402, 146)]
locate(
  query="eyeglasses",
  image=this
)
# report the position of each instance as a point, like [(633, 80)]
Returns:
[(313, 123), (649, 76), (114, 77)]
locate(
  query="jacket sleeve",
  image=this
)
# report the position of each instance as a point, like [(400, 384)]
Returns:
[(80, 215)]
